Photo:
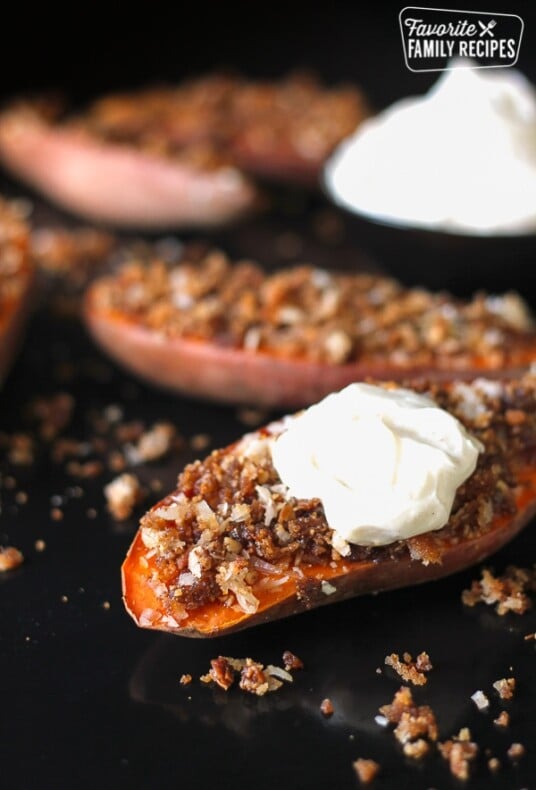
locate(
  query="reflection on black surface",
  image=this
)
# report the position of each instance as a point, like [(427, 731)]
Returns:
[(341, 647)]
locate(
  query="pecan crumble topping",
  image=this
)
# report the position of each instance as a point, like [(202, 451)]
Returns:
[(366, 770), (254, 677), (413, 722), (505, 687), (309, 313), (224, 119), (409, 670), (510, 591), (460, 751), (122, 496), (326, 708), (230, 530), (10, 558)]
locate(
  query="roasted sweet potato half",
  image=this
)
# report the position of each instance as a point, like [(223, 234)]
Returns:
[(120, 185), (178, 157), (16, 280), (230, 332), (229, 549)]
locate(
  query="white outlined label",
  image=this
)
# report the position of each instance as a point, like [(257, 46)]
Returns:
[(432, 37)]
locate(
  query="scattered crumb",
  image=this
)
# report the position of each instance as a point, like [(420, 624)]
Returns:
[(516, 751), (40, 545), (480, 700), (413, 721), (503, 719), (409, 670), (56, 514), (326, 708), (64, 599), (460, 751), (290, 661), (366, 770), (255, 678), (416, 749), (505, 687), (509, 592), (185, 680), (200, 441), (106, 605), (494, 764), (21, 449), (10, 558), (122, 496), (529, 637), (9, 482), (52, 413), (91, 512), (21, 497), (152, 444)]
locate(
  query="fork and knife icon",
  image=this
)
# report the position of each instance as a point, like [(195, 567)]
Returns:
[(487, 29)]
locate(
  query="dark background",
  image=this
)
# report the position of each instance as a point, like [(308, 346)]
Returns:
[(94, 47)]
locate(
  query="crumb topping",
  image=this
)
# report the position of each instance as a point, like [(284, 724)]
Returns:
[(122, 496), (366, 770), (290, 661), (409, 670), (308, 313), (224, 119), (253, 677), (516, 751), (460, 751), (10, 558), (413, 722), (326, 708), (508, 592), (503, 719), (505, 687), (230, 530)]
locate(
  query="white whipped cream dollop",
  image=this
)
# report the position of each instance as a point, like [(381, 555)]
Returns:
[(384, 463), (460, 158)]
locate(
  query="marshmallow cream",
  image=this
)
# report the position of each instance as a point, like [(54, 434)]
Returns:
[(384, 463), (461, 158)]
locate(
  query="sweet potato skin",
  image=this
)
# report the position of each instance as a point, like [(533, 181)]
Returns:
[(13, 320), (117, 185), (359, 578), (202, 369)]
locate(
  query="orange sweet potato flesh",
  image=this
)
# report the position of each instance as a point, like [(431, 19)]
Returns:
[(13, 315), (117, 185), (203, 369), (348, 578)]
